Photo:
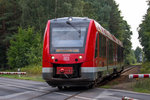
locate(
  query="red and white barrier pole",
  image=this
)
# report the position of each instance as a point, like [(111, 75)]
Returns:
[(127, 98), (139, 76), (12, 73)]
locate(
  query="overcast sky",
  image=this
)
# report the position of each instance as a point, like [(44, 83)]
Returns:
[(133, 12)]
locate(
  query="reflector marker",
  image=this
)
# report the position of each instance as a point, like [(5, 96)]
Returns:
[(128, 98), (12, 73), (139, 76), (47, 70)]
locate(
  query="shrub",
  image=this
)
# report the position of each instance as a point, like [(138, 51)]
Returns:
[(143, 85), (145, 67), (33, 69), (25, 48)]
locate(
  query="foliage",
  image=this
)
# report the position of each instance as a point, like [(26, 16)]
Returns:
[(25, 49), (33, 73), (108, 15), (142, 85), (3, 59), (138, 53), (144, 34), (36, 13), (145, 67), (130, 58), (9, 20), (33, 69)]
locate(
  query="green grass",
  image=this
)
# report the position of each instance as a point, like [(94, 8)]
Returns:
[(25, 77), (145, 68), (106, 86), (137, 64), (141, 90), (143, 85), (34, 72)]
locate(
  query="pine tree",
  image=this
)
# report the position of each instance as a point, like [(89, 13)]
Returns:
[(144, 34), (9, 19)]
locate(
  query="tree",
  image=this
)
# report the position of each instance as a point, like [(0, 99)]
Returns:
[(9, 18), (130, 59), (144, 34), (25, 48), (138, 53), (35, 13), (126, 42)]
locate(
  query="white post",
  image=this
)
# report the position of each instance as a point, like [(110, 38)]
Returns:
[(19, 71)]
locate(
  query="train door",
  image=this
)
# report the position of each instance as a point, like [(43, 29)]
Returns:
[(119, 56), (96, 49), (114, 56), (110, 56), (107, 54)]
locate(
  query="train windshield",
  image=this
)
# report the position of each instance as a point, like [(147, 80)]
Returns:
[(68, 38)]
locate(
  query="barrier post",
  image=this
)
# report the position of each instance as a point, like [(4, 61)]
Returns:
[(19, 71), (128, 98)]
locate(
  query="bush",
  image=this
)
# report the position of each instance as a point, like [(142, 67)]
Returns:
[(33, 69), (130, 59), (145, 67), (142, 85), (25, 48)]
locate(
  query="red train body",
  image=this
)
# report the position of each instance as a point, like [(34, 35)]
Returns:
[(78, 52)]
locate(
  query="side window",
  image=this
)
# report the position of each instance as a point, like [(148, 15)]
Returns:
[(114, 51), (121, 54), (100, 45), (96, 46), (104, 46), (1, 26), (110, 52), (118, 52)]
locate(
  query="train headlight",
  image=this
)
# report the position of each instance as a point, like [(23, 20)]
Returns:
[(53, 57), (80, 57), (70, 19)]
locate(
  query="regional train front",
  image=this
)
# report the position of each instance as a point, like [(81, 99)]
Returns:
[(68, 52)]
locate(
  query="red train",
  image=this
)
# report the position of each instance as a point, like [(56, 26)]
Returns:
[(79, 52)]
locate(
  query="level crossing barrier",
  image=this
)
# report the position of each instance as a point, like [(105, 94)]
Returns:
[(128, 98), (12, 73), (139, 75)]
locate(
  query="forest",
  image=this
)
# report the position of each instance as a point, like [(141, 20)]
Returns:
[(144, 33), (22, 25)]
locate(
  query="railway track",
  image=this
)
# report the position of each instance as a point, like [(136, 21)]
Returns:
[(12, 89), (103, 82), (129, 68), (81, 90), (40, 91), (43, 91), (112, 77)]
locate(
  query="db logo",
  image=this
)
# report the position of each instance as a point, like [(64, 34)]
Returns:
[(67, 58)]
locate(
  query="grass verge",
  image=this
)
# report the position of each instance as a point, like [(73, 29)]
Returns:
[(143, 85), (34, 72)]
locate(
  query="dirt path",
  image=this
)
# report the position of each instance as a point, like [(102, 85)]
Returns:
[(123, 82)]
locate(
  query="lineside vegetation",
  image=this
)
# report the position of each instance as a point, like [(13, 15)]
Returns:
[(22, 47)]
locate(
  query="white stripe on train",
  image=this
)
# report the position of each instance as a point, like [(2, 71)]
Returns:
[(83, 69)]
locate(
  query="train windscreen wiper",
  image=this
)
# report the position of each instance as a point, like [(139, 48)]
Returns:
[(79, 31)]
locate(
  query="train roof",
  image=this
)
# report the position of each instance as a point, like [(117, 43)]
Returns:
[(74, 19), (98, 27), (107, 34)]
